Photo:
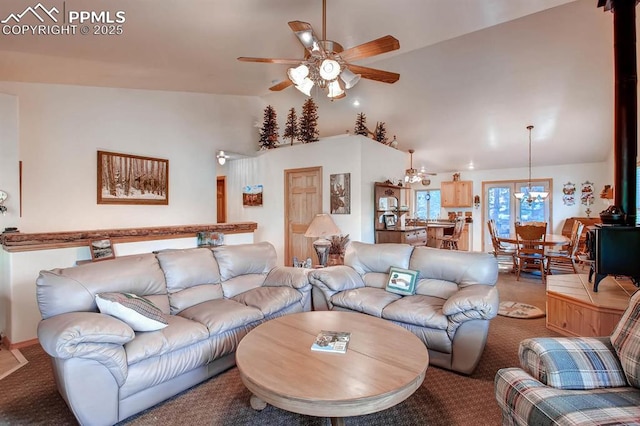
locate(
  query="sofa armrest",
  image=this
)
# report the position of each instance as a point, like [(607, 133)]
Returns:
[(88, 335), (572, 363), (336, 278), (287, 276), (475, 301)]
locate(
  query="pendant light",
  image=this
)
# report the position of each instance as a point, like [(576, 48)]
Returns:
[(529, 195)]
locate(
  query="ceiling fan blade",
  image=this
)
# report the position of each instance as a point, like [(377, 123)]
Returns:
[(270, 60), (281, 86), (374, 47), (374, 74), (307, 37)]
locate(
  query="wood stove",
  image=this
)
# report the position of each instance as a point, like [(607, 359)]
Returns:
[(614, 250)]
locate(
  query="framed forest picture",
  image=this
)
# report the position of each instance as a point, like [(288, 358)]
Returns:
[(132, 179)]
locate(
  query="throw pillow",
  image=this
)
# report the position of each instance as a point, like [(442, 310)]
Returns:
[(139, 313), (402, 281), (626, 340)]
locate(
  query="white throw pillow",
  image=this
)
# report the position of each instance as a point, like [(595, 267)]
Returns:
[(139, 313)]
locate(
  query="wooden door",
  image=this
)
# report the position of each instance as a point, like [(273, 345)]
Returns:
[(302, 201), (221, 199)]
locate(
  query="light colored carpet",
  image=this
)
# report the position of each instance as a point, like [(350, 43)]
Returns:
[(445, 398)]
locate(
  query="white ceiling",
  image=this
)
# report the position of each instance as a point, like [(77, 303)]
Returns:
[(474, 73)]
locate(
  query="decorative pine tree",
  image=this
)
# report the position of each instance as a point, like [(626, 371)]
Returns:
[(308, 129), (380, 134), (361, 125), (269, 131), (291, 129)]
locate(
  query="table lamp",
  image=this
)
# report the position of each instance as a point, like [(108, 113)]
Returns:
[(321, 227)]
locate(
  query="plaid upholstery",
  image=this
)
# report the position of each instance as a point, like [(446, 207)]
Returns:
[(526, 401), (626, 340), (572, 363)]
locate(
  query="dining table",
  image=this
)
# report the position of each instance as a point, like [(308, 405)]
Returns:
[(551, 240)]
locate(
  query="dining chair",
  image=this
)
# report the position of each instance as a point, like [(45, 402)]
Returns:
[(500, 250), (530, 248), (450, 242), (566, 260)]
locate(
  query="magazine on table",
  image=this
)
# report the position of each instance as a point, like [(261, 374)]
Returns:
[(331, 341)]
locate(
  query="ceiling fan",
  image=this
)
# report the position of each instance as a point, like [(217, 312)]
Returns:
[(327, 65), (412, 175)]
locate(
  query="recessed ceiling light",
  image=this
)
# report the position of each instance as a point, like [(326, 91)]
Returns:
[(356, 103), (471, 166)]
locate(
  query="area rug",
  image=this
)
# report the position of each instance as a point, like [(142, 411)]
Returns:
[(519, 310), (10, 361)]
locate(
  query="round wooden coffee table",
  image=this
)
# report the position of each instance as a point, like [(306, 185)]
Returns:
[(384, 364)]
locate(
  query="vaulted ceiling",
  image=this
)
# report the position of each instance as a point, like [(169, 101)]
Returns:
[(474, 73)]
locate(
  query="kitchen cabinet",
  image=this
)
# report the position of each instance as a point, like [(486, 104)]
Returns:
[(456, 193), (412, 235)]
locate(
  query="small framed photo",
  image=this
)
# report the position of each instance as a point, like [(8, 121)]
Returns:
[(389, 221), (402, 281), (101, 250)]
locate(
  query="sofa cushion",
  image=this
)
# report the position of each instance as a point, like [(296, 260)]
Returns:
[(74, 289), (242, 259), (366, 300), (365, 257), (222, 315), (269, 299), (192, 277), (137, 312), (425, 311), (376, 279), (236, 285), (180, 333), (626, 340)]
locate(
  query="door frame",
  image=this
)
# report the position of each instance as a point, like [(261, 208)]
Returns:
[(223, 180)]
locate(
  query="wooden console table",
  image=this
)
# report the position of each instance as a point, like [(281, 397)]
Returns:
[(573, 309)]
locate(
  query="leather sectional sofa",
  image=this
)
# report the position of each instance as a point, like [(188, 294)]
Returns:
[(455, 296), (209, 300)]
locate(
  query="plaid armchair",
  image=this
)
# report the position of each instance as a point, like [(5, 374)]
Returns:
[(576, 381)]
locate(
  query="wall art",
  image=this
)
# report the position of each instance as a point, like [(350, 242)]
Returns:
[(340, 185), (132, 179), (101, 249), (252, 196), (569, 194), (586, 196)]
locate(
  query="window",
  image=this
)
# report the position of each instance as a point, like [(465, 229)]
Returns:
[(428, 204)]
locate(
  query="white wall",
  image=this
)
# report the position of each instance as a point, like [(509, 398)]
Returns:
[(367, 161), (9, 184), (62, 127)]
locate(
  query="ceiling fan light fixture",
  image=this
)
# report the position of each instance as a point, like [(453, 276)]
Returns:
[(298, 74), (305, 86), (350, 79), (329, 69)]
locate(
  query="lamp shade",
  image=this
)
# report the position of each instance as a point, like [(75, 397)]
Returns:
[(306, 86), (322, 226), (329, 69), (350, 79), (298, 74), (335, 90)]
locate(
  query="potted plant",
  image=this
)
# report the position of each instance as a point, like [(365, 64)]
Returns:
[(337, 248)]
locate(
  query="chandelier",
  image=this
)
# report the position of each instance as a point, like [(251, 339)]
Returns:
[(529, 195), (323, 68)]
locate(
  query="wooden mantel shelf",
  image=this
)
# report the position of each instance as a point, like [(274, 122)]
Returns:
[(14, 242)]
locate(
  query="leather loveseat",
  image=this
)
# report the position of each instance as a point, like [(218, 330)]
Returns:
[(455, 296), (209, 298)]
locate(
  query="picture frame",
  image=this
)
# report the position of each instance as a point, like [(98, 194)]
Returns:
[(340, 186), (101, 249), (132, 179), (252, 196), (389, 221), (210, 239), (402, 281)]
